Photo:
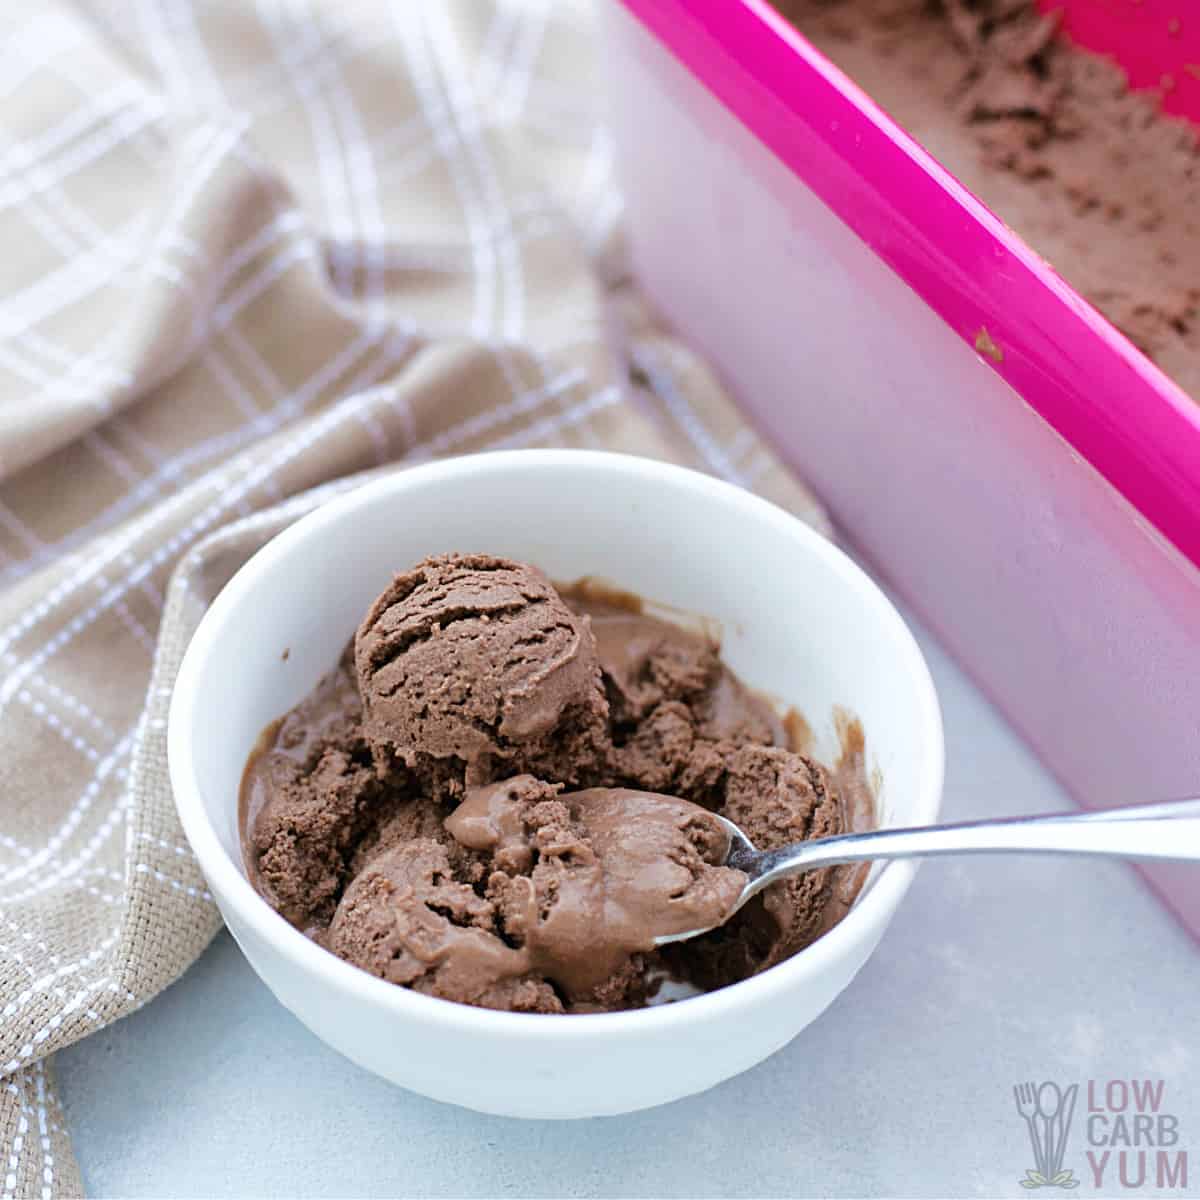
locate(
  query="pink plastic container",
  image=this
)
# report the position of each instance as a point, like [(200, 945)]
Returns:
[(1024, 476)]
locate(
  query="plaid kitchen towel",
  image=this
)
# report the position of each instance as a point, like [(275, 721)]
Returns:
[(250, 252)]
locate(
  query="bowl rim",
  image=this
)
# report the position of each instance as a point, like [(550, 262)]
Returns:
[(232, 888)]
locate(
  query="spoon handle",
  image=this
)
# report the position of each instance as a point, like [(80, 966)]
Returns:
[(1170, 831)]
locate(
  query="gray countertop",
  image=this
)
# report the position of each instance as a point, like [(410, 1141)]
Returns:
[(994, 971)]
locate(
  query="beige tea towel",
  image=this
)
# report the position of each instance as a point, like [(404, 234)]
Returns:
[(251, 251)]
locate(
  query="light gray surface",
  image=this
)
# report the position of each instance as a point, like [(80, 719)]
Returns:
[(994, 971)]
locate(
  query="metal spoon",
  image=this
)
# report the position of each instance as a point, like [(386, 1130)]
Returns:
[(1169, 830)]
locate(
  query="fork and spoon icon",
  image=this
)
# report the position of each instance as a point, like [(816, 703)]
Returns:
[(1047, 1111)]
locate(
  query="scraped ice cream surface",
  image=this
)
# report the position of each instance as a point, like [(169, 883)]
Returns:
[(1093, 176), (504, 792)]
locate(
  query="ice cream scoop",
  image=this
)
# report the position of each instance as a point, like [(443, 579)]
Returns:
[(475, 663), (1163, 831)]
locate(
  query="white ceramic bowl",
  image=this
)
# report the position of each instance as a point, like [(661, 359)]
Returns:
[(800, 621)]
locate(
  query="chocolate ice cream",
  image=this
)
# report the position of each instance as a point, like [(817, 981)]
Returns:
[(473, 667), (499, 797), (676, 711), (1093, 176), (309, 796), (575, 886)]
